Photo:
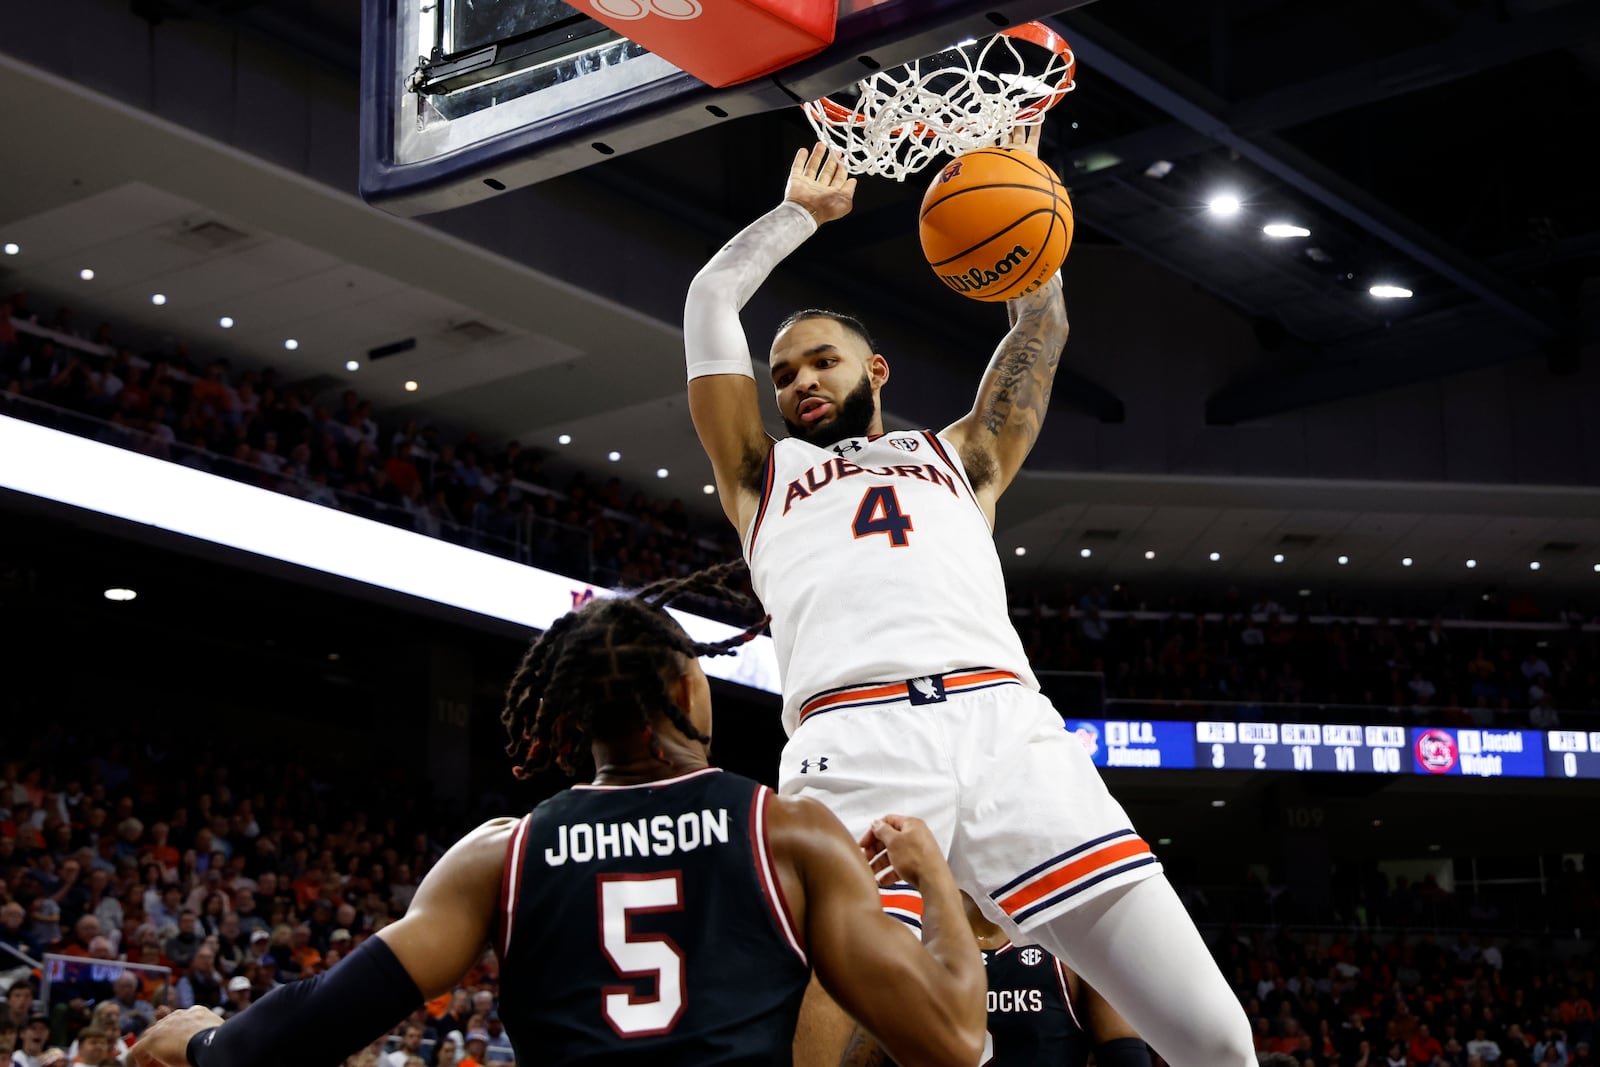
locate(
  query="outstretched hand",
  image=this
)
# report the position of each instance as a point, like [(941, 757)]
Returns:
[(819, 183), (166, 1044)]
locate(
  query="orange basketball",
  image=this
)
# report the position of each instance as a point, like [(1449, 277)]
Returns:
[(995, 224)]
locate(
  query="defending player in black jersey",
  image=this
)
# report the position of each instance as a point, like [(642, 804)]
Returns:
[(1040, 1013), (667, 913)]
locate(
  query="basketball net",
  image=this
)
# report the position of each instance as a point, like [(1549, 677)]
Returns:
[(895, 122)]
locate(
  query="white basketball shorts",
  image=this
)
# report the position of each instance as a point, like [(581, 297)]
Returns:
[(1015, 802)]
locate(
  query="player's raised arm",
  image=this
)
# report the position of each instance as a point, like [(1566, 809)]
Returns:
[(923, 1001), (998, 433), (722, 387), (343, 1010)]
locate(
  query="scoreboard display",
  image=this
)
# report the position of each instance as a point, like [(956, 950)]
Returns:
[(1337, 748)]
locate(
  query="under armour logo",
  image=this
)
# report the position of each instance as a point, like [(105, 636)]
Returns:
[(821, 763), (1030, 956), (848, 446), (928, 690)]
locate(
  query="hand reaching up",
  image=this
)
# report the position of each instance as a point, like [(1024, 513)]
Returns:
[(819, 183)]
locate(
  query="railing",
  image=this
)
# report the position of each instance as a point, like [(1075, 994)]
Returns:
[(78, 972)]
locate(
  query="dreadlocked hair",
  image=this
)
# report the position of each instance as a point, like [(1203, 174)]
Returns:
[(601, 672)]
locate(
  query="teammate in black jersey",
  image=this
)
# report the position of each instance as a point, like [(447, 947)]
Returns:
[(667, 913), (1040, 1013)]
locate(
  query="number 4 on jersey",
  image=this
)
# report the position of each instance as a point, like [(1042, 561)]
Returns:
[(880, 513)]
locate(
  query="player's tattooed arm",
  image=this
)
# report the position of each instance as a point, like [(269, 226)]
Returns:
[(997, 435)]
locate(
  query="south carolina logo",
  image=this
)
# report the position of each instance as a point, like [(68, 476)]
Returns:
[(1436, 751), (1030, 956)]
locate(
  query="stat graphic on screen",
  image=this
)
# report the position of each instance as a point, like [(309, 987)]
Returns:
[(1337, 748)]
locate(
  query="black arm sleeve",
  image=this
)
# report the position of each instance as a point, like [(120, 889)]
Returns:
[(317, 1022)]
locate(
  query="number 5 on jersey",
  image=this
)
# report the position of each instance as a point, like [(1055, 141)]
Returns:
[(654, 957), (880, 513)]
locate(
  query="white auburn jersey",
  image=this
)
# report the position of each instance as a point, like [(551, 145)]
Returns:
[(877, 565)]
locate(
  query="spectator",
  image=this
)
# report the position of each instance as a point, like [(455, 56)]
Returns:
[(410, 1046), (477, 1045), (202, 984), (32, 1037), (132, 1011), (182, 946), (239, 996)]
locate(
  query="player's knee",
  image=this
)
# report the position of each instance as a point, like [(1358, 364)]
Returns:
[(1227, 1041)]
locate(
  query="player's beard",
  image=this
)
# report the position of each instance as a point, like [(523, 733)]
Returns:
[(852, 417)]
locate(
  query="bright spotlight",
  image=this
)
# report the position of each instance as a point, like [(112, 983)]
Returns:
[(158, 299), (1285, 229), (1224, 205), (352, 365), (1390, 292)]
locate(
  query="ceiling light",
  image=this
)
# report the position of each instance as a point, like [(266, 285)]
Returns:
[(613, 456), (1344, 561), (1277, 557), (1471, 563), (1390, 292), (1150, 553), (158, 299), (1305, 592), (226, 322), (662, 472), (411, 385), (1163, 840), (352, 365), (1224, 204), (1534, 565), (1021, 551), (86, 274), (1085, 552), (1159, 169), (120, 594), (12, 248), (708, 489), (1219, 803), (1597, 568), (1433, 848), (1377, 822), (1406, 562), (291, 344), (564, 439), (1285, 229), (333, 657), (1216, 556)]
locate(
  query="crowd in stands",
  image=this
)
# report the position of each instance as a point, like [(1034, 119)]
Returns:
[(252, 426), (1451, 670), (1411, 1001)]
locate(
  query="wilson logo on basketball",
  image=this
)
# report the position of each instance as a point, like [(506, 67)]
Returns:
[(977, 279)]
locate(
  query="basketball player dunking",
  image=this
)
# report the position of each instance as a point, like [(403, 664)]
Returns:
[(1040, 1013), (667, 913), (905, 686)]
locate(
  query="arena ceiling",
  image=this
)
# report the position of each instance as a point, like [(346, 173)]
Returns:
[(1424, 142)]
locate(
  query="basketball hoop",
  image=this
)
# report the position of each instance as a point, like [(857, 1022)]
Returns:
[(895, 122)]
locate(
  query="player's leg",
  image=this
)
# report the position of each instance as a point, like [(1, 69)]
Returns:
[(863, 763), (1058, 863), (1137, 946)]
